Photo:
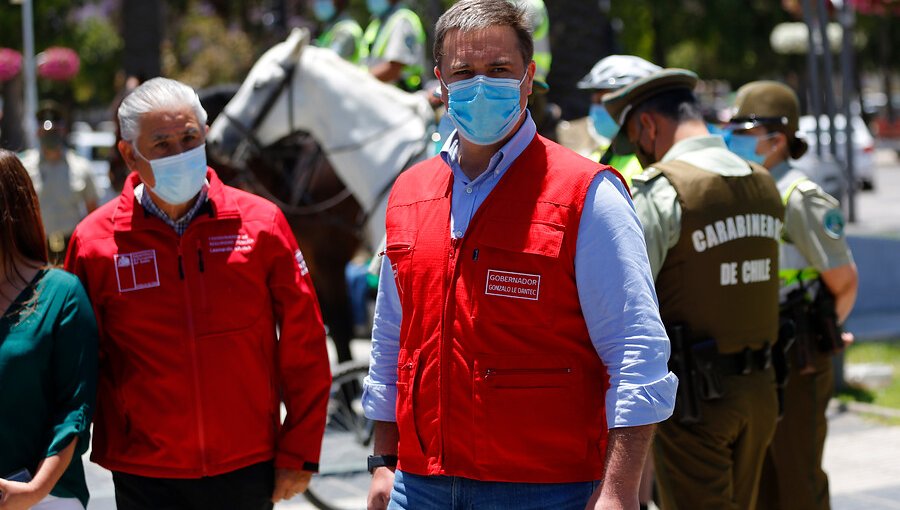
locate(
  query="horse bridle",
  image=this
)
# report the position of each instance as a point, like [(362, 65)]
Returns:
[(248, 132), (248, 176)]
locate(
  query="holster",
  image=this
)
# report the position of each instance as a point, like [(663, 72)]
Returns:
[(687, 404), (795, 310), (823, 318)]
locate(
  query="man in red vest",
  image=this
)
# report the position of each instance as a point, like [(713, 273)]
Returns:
[(518, 356)]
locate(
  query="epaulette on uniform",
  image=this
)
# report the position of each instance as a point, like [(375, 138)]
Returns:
[(808, 187), (644, 178)]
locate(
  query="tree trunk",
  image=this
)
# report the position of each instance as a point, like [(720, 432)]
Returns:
[(580, 35), (12, 132), (142, 33)]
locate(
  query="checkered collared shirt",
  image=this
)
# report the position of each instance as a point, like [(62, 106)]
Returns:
[(181, 224)]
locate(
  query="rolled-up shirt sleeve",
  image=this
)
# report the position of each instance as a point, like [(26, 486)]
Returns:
[(380, 387), (620, 307)]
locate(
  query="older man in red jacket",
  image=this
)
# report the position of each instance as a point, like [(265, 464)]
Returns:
[(208, 322)]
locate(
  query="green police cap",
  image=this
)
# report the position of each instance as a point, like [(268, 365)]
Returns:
[(766, 103), (622, 102)]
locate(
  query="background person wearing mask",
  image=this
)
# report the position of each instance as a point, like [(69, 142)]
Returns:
[(712, 224), (340, 32), (525, 374), (208, 322), (814, 253), (62, 179), (48, 360), (609, 74), (395, 44)]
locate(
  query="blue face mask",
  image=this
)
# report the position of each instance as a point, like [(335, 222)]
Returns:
[(180, 177), (485, 110), (323, 10), (377, 7), (604, 124), (745, 147)]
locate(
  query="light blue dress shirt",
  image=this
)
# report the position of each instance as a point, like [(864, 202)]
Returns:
[(615, 287)]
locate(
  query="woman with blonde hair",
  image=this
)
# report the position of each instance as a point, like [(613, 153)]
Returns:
[(48, 360)]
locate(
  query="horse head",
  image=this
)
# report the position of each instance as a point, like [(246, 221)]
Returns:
[(242, 127), (368, 130)]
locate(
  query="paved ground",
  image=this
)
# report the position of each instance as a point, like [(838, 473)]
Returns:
[(862, 457)]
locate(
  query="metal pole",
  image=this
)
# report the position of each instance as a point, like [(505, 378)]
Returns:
[(847, 22), (812, 66), (829, 75), (30, 74)]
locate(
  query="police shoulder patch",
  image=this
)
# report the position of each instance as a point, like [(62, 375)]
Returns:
[(833, 222)]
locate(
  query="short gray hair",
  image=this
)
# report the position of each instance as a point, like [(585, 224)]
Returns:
[(471, 15), (152, 95)]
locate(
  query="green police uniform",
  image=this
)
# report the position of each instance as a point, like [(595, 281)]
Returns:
[(715, 463), (398, 36), (345, 37), (813, 242), (712, 224)]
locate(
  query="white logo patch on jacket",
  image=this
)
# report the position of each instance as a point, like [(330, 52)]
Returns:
[(513, 285), (136, 270)]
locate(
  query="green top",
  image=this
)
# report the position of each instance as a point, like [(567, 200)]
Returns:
[(48, 378)]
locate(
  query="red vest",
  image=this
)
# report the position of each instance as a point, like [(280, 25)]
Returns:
[(497, 376)]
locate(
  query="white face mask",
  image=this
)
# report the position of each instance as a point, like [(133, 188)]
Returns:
[(180, 177)]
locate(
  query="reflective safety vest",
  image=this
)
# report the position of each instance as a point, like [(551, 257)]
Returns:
[(376, 38), (794, 269), (497, 379), (540, 21), (627, 164), (350, 27)]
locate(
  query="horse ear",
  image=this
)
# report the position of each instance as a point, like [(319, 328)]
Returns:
[(296, 41)]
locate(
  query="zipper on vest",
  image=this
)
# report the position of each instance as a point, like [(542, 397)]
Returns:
[(199, 255), (475, 255), (500, 372)]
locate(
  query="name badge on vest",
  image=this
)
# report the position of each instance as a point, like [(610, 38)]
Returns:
[(513, 285), (136, 270)]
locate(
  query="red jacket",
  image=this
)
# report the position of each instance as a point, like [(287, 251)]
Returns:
[(497, 376), (191, 368)]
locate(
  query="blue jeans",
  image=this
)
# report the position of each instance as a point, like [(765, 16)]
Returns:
[(415, 492)]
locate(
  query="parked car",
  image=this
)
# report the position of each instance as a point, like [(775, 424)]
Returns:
[(96, 147), (823, 170)]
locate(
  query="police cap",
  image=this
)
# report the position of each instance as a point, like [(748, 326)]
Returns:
[(767, 103), (622, 102)]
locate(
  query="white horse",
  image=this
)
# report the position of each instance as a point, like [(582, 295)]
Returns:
[(370, 131)]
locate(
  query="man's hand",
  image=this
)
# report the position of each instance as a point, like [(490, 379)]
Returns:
[(380, 489), (18, 495), (289, 483), (625, 453)]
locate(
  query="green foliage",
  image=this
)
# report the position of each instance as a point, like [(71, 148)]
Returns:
[(719, 39), (100, 49), (202, 51)]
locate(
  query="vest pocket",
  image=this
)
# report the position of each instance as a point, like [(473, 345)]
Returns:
[(515, 272), (529, 409), (399, 250), (407, 369)]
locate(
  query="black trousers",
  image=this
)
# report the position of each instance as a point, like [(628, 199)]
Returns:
[(248, 488)]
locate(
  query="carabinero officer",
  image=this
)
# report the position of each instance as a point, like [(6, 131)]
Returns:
[(818, 288), (711, 223)]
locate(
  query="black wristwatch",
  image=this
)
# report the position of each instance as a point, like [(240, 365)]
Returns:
[(377, 461)]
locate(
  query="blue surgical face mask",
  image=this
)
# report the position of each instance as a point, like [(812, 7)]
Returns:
[(745, 147), (377, 7), (485, 110), (180, 177), (604, 124), (323, 10)]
